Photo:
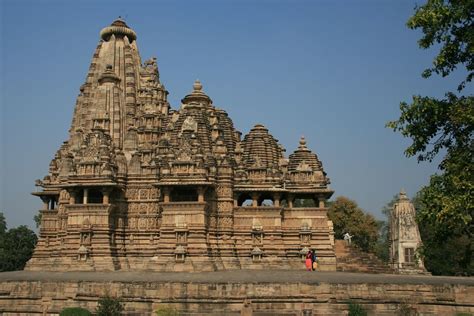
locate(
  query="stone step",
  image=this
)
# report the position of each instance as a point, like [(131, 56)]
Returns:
[(352, 259)]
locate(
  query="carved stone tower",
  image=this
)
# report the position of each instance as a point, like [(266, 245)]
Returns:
[(404, 237), (139, 185)]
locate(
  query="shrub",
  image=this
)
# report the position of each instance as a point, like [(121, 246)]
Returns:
[(406, 310), (109, 306), (356, 310), (75, 311), (167, 311)]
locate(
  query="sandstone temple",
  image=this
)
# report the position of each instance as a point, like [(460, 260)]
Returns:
[(141, 186)]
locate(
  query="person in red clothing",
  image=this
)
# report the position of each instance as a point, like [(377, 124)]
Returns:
[(309, 260)]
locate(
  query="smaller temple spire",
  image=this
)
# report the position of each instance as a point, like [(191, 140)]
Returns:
[(404, 237)]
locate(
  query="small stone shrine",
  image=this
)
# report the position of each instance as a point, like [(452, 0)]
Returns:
[(404, 238), (141, 186)]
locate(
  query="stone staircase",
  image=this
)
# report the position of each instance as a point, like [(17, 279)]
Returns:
[(352, 259)]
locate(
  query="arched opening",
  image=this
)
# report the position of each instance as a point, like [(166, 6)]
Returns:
[(184, 194), (94, 196)]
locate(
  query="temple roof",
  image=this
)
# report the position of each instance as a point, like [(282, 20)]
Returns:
[(123, 126), (303, 158), (261, 149), (403, 205)]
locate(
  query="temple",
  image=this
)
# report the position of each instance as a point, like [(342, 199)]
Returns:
[(141, 186), (405, 238)]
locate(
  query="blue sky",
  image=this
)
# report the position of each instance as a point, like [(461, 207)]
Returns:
[(333, 71)]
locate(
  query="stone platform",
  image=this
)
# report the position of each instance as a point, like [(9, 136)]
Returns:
[(237, 292)]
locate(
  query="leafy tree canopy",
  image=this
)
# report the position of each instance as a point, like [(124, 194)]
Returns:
[(3, 224), (445, 125), (450, 24), (109, 306), (75, 311), (348, 217), (16, 248), (446, 250)]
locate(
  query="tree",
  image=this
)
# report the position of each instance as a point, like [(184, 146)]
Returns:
[(348, 217), (16, 246), (382, 246), (445, 250), (109, 306), (445, 125), (3, 224), (37, 219)]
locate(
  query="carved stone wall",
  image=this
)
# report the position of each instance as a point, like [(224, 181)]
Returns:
[(145, 294)]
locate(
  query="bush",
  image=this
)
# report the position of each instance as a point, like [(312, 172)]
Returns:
[(109, 306), (356, 310), (75, 311), (167, 311), (406, 310)]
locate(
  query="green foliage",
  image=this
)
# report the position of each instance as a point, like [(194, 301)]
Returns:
[(16, 247), (445, 125), (356, 310), (434, 125), (348, 217), (37, 219), (447, 249), (3, 224), (449, 24), (109, 306), (167, 311), (75, 311), (406, 310), (382, 247), (304, 203)]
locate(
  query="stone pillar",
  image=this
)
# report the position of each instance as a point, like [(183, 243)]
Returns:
[(255, 199), (276, 199), (106, 196), (201, 191), (166, 195), (321, 202), (86, 195), (45, 200), (72, 197), (290, 200)]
